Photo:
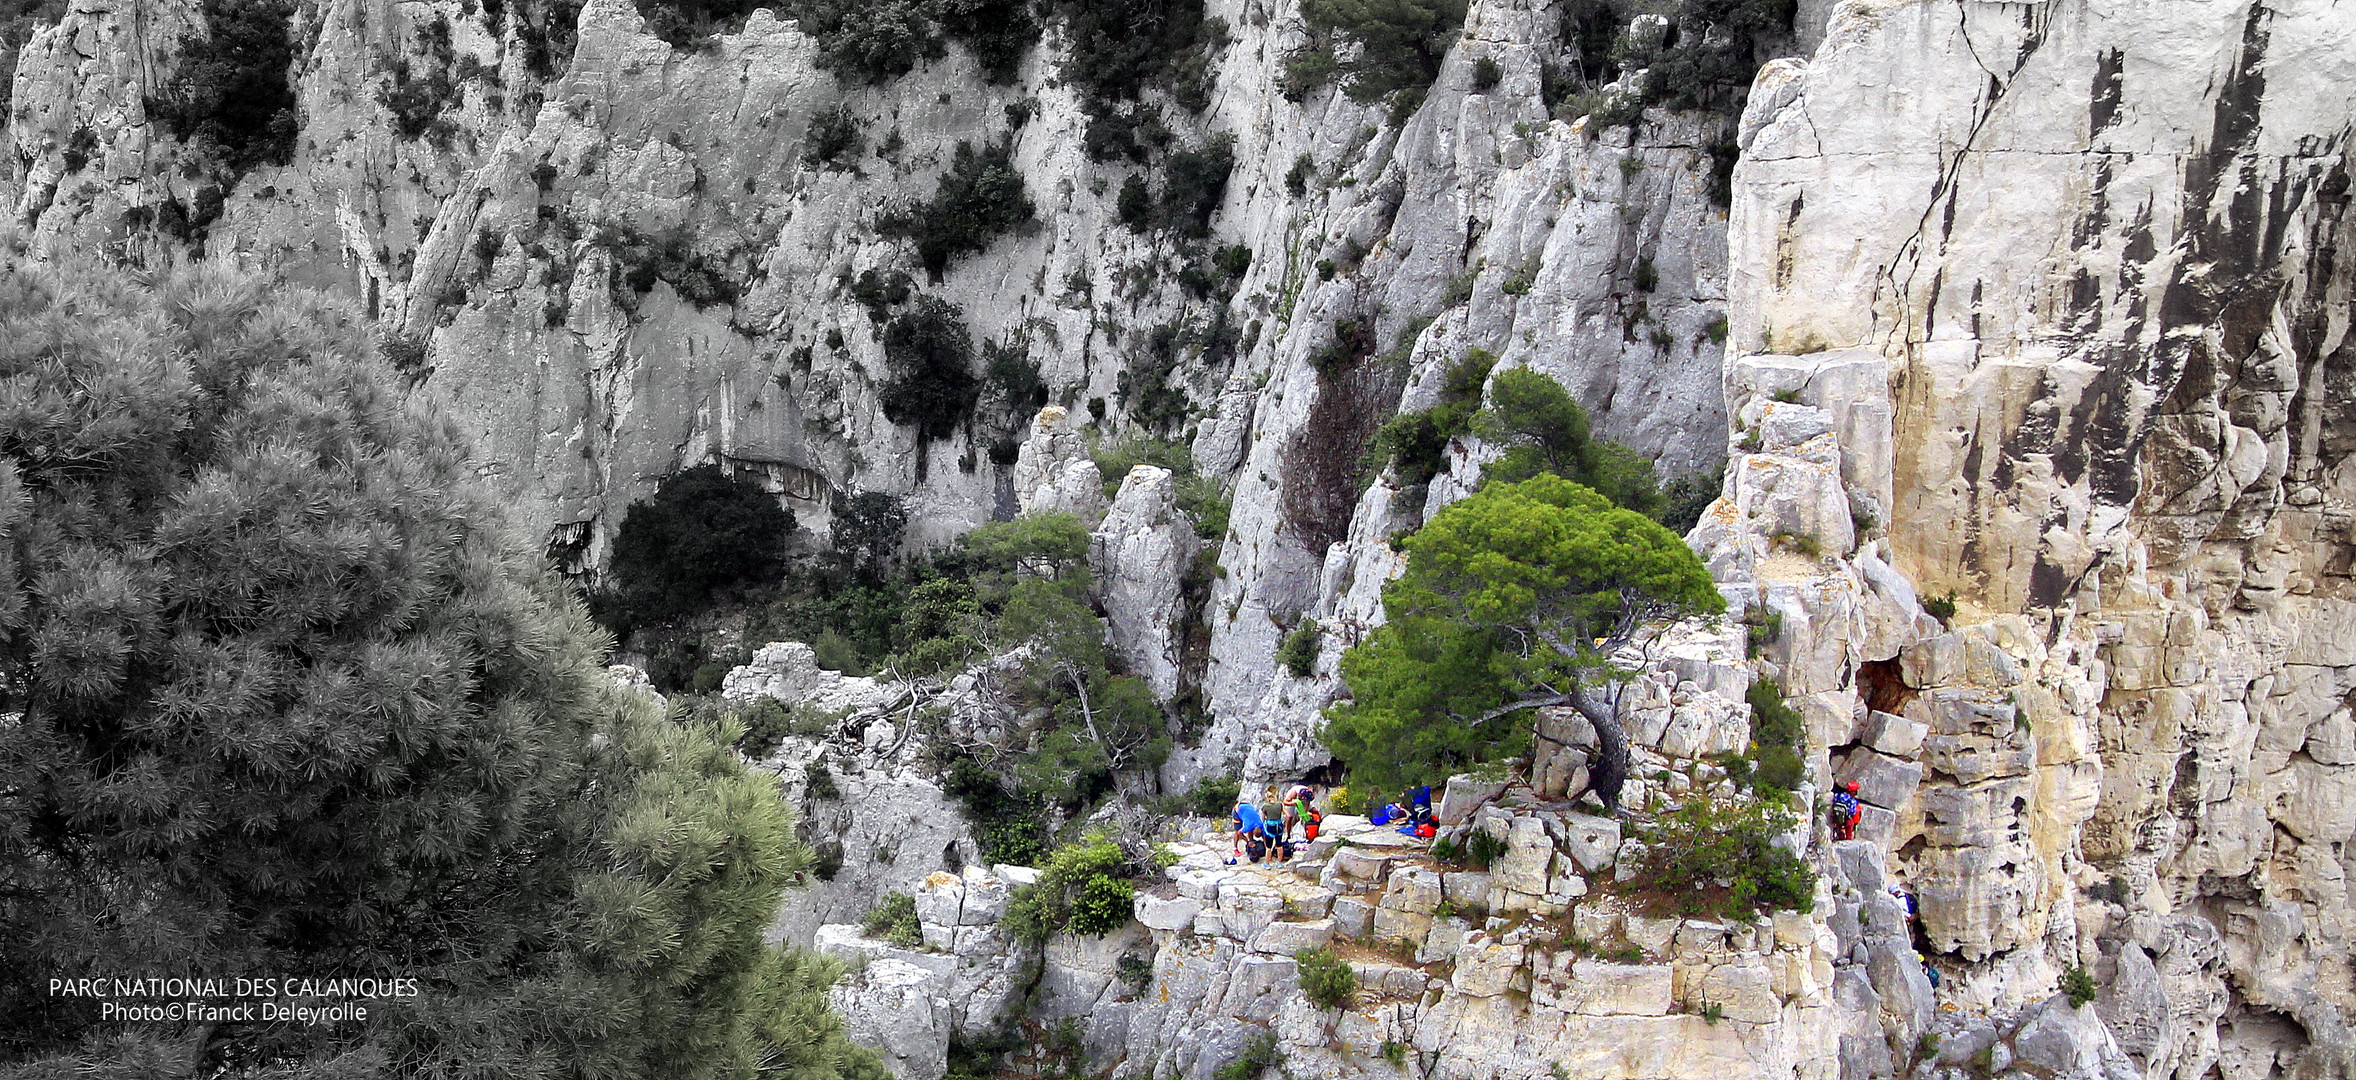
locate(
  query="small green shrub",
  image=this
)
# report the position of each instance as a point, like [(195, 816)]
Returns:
[(1080, 889), (766, 724), (1399, 47), (1522, 279), (703, 530), (1689, 849), (1941, 607), (1259, 1055), (979, 199), (1485, 74), (1482, 848), (1298, 652), (1214, 796), (230, 91), (1134, 971), (1926, 1045), (894, 920), (1194, 181), (1777, 733), (931, 355), (834, 141), (1135, 206), (1395, 1053), (1103, 905), (1647, 276), (1328, 980), (1296, 179), (818, 782), (1447, 849), (2078, 985)]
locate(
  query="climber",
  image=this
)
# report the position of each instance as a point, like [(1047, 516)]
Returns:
[(1416, 802), (1248, 827), (1905, 900), (1845, 812), (1296, 807), (1280, 847)]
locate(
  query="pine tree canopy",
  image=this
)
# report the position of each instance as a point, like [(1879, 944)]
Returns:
[(1511, 599), (280, 695)]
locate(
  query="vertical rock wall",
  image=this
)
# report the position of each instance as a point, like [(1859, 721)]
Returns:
[(2068, 301)]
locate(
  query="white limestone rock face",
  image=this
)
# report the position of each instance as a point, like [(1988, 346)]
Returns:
[(2078, 427), (1141, 553)]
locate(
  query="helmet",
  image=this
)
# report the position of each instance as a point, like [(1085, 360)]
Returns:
[(1850, 787)]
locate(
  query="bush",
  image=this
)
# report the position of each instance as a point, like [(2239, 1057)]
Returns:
[(2078, 985), (1298, 652), (1686, 498), (819, 783), (1689, 850), (1486, 73), (979, 199), (1006, 821), (703, 530), (1215, 796), (894, 920), (1941, 607), (931, 355), (1103, 905), (833, 141), (1778, 733), (1400, 45), (1194, 182), (1417, 442), (1135, 206), (1119, 49), (1081, 889), (766, 724), (1259, 1055), (230, 91), (997, 32), (1482, 848), (641, 259), (1326, 978), (1647, 277), (1545, 431), (1296, 179)]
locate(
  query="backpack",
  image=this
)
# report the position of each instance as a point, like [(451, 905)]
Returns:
[(1310, 828), (1382, 815), (1426, 830), (1255, 847)]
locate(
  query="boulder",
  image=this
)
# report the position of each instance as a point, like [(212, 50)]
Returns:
[(1289, 938), (1393, 925), (1360, 864), (1176, 913), (1528, 860), (1485, 968), (1463, 793), (1892, 734), (1353, 917), (1882, 780), (1604, 989), (1465, 889), (1413, 889), (1591, 842)]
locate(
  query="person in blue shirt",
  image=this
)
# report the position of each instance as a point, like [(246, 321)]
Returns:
[(1248, 825)]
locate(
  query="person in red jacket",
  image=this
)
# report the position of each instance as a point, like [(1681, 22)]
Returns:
[(1846, 811)]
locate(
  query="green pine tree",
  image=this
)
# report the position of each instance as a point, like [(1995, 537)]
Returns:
[(281, 695)]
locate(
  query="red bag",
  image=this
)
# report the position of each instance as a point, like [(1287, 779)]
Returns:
[(1425, 830), (1309, 829)]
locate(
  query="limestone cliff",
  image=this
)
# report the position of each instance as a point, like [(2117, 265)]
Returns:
[(2032, 314)]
